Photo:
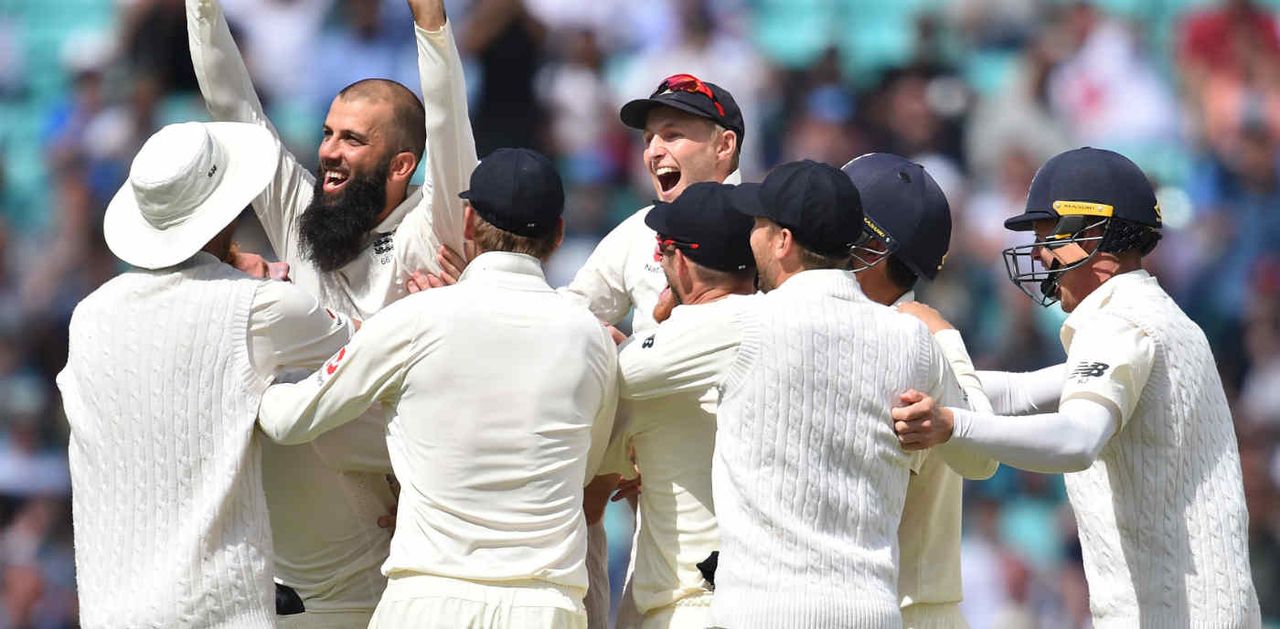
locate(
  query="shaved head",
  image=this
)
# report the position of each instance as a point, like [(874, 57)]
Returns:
[(407, 131)]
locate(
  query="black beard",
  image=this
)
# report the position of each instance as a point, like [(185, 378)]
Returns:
[(334, 226)]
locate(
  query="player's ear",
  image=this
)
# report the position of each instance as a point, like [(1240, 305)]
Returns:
[(681, 262), (468, 221), (784, 244), (402, 166), (559, 232), (726, 144)]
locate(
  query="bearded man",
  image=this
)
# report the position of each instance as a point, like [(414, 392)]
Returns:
[(350, 233)]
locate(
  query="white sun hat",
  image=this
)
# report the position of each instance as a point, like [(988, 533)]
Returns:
[(187, 183)]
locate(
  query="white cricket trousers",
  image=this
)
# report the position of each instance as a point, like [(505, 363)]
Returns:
[(324, 620), (598, 594), (933, 616), (686, 613), (430, 602)]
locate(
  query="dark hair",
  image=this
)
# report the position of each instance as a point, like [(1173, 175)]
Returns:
[(408, 130), (1123, 235), (900, 274)]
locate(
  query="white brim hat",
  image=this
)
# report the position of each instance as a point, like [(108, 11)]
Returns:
[(187, 183)]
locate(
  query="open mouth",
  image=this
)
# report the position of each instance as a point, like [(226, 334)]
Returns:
[(334, 180), (668, 177)]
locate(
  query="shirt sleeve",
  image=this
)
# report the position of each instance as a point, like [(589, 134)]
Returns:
[(229, 95), (946, 390), (1109, 362), (1024, 393), (289, 329), (691, 351), (1050, 443), (951, 344), (601, 282), (367, 370), (360, 446), (617, 459), (450, 155), (602, 427)]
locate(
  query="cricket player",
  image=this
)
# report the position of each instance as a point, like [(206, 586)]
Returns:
[(703, 247), (166, 366), (1142, 430), (910, 224), (502, 394), (809, 480), (692, 132), (350, 233)]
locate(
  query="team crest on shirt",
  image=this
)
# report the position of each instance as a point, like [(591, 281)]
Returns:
[(331, 365), (1087, 369), (382, 247)]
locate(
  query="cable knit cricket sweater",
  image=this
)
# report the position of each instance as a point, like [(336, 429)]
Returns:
[(809, 480), (1161, 512), (169, 517)]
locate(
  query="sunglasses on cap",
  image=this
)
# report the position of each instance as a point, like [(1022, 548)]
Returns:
[(688, 83), (663, 243)]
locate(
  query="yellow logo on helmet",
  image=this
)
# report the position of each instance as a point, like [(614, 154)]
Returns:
[(1082, 208), (875, 228)]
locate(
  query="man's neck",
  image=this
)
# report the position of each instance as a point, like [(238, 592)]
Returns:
[(393, 202), (709, 294)]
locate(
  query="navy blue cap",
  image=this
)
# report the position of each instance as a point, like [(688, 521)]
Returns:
[(905, 208), (705, 225), (815, 201), (1089, 182), (635, 114), (517, 190)]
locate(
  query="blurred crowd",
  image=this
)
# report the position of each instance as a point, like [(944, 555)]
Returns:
[(978, 91)]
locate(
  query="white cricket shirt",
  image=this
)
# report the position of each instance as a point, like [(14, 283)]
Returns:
[(674, 435), (929, 534), (690, 354), (1161, 512), (621, 274), (162, 383), (503, 394), (327, 496)]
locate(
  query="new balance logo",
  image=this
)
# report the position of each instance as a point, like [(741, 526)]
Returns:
[(648, 342), (1090, 370)]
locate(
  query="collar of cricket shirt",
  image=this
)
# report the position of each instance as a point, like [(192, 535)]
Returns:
[(1098, 299), (491, 262), (393, 220), (832, 282)]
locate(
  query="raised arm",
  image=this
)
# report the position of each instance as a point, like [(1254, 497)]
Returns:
[(367, 370), (229, 95), (450, 150)]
